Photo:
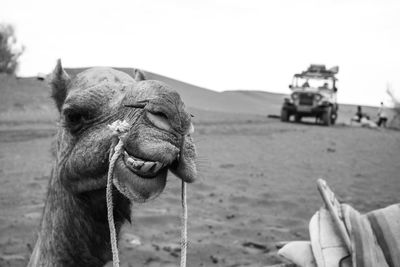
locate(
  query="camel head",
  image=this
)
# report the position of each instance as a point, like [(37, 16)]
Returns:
[(159, 138)]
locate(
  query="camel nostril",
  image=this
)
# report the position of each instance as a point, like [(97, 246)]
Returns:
[(175, 163)]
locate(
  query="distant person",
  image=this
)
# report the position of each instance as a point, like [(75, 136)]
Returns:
[(382, 116), (363, 118), (306, 84), (359, 114), (325, 86)]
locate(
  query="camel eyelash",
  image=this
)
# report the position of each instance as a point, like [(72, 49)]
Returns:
[(138, 104)]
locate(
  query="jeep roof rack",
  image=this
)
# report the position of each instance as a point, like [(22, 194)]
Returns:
[(319, 72)]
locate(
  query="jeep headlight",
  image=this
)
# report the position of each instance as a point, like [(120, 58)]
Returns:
[(318, 97), (295, 96)]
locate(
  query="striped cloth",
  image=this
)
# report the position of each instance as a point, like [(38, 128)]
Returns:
[(375, 236)]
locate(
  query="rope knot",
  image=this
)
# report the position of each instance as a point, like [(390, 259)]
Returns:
[(119, 127)]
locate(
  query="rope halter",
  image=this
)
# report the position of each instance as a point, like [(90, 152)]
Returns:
[(119, 129)]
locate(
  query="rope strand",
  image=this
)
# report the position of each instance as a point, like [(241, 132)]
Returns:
[(110, 213), (184, 226)]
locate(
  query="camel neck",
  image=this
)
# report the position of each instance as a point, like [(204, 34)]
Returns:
[(74, 228)]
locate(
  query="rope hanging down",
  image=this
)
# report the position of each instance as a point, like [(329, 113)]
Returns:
[(110, 214), (184, 226), (119, 128)]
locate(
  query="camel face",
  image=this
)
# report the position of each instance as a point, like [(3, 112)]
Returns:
[(158, 140)]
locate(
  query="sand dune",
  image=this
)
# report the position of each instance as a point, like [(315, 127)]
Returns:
[(247, 102)]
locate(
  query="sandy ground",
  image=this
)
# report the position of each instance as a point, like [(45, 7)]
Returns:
[(257, 187)]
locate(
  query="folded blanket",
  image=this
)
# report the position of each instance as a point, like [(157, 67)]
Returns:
[(338, 231), (328, 247), (365, 250), (298, 252), (375, 236)]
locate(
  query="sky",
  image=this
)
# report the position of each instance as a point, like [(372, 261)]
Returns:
[(221, 44)]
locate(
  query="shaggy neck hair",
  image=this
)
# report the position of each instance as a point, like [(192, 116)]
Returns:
[(77, 227)]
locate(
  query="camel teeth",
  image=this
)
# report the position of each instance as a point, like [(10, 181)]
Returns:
[(138, 164), (157, 166), (144, 166), (130, 161), (134, 163), (147, 166)]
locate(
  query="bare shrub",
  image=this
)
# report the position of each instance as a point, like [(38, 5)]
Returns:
[(10, 51), (395, 122)]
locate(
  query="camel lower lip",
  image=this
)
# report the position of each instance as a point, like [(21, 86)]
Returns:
[(136, 187)]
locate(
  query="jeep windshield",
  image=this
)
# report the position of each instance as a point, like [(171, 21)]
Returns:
[(315, 83)]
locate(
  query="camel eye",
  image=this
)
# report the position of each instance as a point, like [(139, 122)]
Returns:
[(75, 119), (160, 114)]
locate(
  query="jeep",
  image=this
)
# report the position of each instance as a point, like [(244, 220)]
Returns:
[(313, 95)]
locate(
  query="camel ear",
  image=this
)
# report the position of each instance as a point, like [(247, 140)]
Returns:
[(59, 81), (139, 75)]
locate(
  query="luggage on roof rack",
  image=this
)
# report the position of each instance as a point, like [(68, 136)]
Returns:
[(319, 71)]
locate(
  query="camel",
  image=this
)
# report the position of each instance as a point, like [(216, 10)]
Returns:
[(74, 230)]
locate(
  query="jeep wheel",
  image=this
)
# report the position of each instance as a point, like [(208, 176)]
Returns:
[(333, 118), (327, 116), (297, 118), (284, 115)]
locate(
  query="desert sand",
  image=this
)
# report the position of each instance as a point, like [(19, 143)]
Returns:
[(256, 185)]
